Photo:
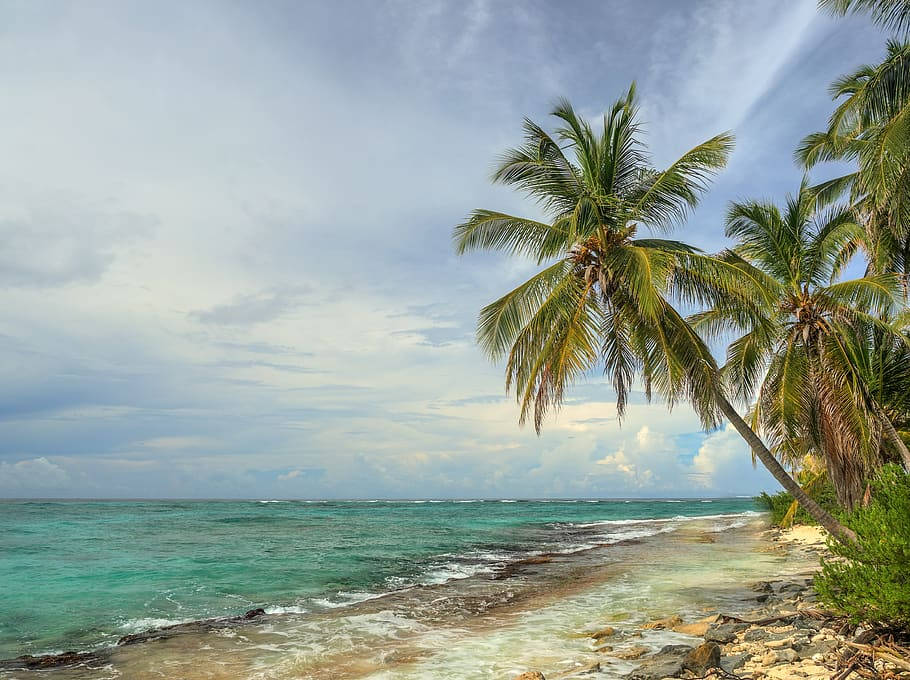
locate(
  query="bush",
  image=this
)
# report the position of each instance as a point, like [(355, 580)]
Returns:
[(820, 490), (870, 580)]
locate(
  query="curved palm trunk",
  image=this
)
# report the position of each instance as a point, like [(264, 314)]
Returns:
[(835, 528), (895, 439)]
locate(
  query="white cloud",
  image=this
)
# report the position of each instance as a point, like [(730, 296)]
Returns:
[(24, 477), (227, 258)]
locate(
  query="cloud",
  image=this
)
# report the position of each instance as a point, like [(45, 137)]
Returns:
[(49, 240), (723, 462), (249, 309), (228, 257), (25, 477)]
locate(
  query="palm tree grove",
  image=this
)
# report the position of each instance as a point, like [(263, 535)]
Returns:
[(797, 333)]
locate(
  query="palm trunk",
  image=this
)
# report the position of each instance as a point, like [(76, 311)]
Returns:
[(894, 438), (831, 525)]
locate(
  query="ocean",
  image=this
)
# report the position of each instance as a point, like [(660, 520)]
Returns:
[(387, 583)]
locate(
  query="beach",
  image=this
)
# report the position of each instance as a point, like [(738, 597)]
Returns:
[(527, 597)]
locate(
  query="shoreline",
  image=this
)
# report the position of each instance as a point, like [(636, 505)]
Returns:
[(566, 615), (785, 637)]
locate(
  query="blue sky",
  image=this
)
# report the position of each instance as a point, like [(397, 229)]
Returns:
[(225, 259)]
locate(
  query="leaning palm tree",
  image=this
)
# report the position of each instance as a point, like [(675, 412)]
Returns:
[(603, 299), (890, 14), (803, 346)]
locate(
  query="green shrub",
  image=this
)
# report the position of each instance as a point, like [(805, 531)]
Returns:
[(820, 490), (870, 580)]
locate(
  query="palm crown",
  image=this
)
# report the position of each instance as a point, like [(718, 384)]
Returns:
[(871, 127), (602, 302), (803, 334)]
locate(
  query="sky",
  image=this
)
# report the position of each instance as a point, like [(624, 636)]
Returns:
[(225, 236)]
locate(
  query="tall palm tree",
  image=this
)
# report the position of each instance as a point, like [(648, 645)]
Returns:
[(803, 346), (602, 302), (890, 14), (871, 128)]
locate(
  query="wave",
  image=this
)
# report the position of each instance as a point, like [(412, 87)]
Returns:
[(660, 520), (286, 610), (150, 623)]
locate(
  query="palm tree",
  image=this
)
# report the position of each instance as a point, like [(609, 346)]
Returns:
[(871, 128), (890, 14), (884, 360), (803, 346), (602, 302)]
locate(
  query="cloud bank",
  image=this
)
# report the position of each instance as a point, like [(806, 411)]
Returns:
[(225, 264)]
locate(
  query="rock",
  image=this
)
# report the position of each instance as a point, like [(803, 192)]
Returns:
[(788, 655), (703, 657), (633, 652), (589, 669), (667, 663), (604, 649), (814, 670), (769, 659), (724, 632), (779, 644), (808, 624), (754, 634), (253, 613), (818, 648), (731, 663), (696, 629), (609, 631), (660, 624), (531, 675), (762, 587), (48, 661)]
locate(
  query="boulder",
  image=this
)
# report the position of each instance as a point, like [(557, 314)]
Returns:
[(724, 632), (703, 657), (667, 663), (531, 675)]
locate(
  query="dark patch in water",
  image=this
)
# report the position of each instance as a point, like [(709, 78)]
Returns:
[(95, 659)]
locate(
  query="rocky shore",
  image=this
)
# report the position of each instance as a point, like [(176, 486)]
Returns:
[(786, 636)]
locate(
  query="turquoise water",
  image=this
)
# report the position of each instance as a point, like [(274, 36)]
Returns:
[(80, 574)]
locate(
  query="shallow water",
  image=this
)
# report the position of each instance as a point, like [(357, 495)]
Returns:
[(364, 590)]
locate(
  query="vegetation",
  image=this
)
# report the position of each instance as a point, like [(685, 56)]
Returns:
[(891, 14), (606, 300), (799, 337), (870, 579), (821, 362), (785, 512)]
